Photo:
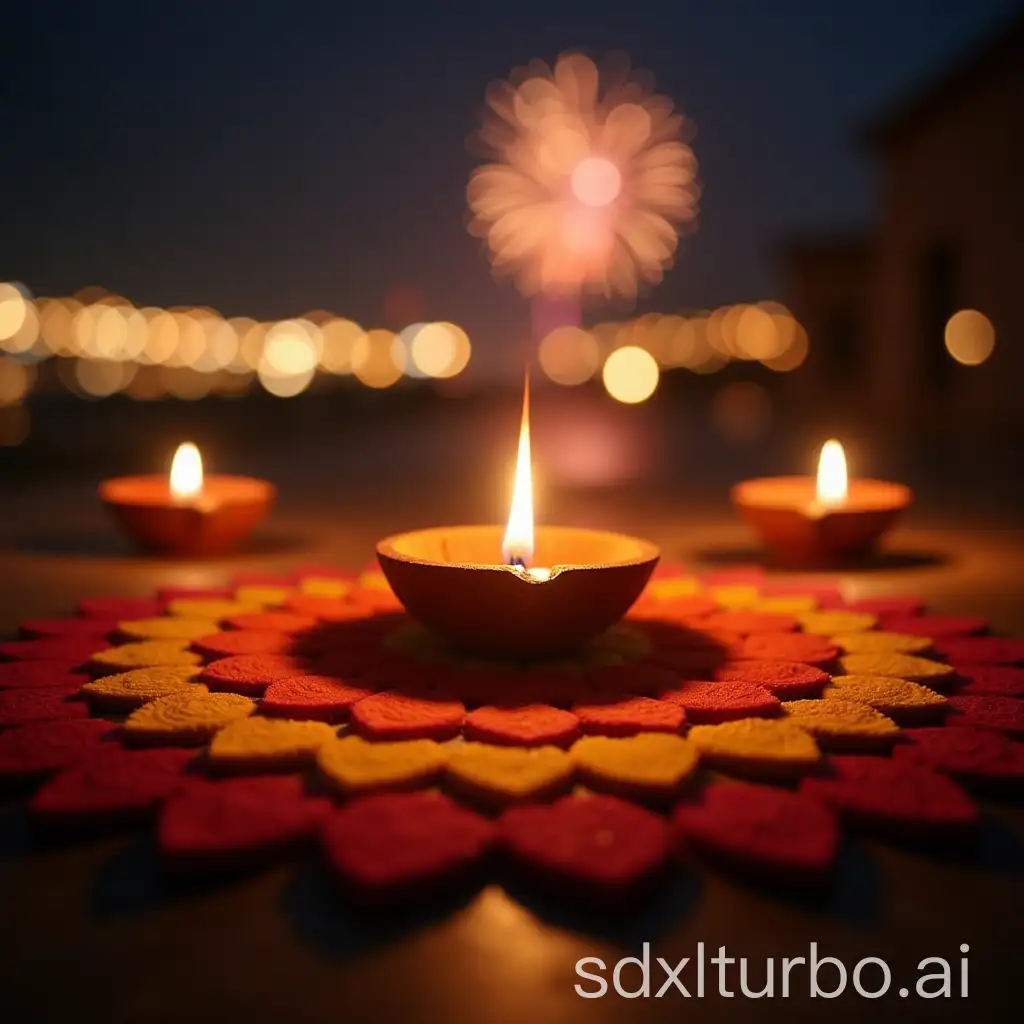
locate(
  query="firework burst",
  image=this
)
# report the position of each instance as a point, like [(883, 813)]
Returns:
[(588, 183)]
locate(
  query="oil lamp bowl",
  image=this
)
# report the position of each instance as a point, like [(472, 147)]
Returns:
[(800, 533), (217, 522), (448, 579)]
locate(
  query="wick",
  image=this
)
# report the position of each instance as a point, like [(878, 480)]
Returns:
[(517, 563)]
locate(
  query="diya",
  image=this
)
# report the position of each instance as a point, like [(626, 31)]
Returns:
[(828, 520), (187, 513), (554, 587)]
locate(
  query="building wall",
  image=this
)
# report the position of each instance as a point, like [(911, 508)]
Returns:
[(952, 199)]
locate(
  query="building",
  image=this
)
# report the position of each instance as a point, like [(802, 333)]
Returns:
[(949, 228)]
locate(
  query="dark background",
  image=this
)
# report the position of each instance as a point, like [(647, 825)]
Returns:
[(267, 158)]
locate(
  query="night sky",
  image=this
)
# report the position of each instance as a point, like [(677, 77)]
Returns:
[(268, 158)]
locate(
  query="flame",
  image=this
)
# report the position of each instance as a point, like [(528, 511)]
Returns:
[(832, 479), (517, 547), (186, 472)]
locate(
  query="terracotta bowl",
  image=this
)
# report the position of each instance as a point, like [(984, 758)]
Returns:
[(800, 533), (216, 523), (451, 580)]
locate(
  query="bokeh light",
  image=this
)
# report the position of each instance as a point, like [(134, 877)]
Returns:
[(100, 378), (290, 356), (339, 339), (569, 355), (794, 354), (289, 349), (630, 374), (687, 345), (407, 337), (288, 363), (742, 411), (758, 335), (16, 379), (251, 336), (13, 310), (438, 350), (378, 358), (970, 337), (19, 319), (190, 352), (56, 325)]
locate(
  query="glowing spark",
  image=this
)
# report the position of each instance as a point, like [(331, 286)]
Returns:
[(587, 186)]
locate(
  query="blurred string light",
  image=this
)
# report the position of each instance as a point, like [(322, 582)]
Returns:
[(589, 179), (569, 355), (104, 345), (436, 350), (378, 358), (19, 321), (630, 374), (970, 337), (340, 337), (702, 342), (291, 354)]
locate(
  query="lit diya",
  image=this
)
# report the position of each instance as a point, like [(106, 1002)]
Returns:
[(555, 588), (187, 513), (828, 520)]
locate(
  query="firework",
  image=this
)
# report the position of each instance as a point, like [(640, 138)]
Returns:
[(588, 181)]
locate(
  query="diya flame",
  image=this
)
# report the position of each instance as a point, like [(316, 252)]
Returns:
[(517, 546), (832, 482), (589, 180), (186, 478)]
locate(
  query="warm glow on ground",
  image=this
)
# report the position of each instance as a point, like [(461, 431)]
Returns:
[(186, 471)]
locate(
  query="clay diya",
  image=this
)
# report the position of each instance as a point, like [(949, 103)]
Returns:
[(517, 592), (187, 513), (825, 521), (451, 580)]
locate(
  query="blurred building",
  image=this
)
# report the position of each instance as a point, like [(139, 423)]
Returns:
[(881, 310)]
